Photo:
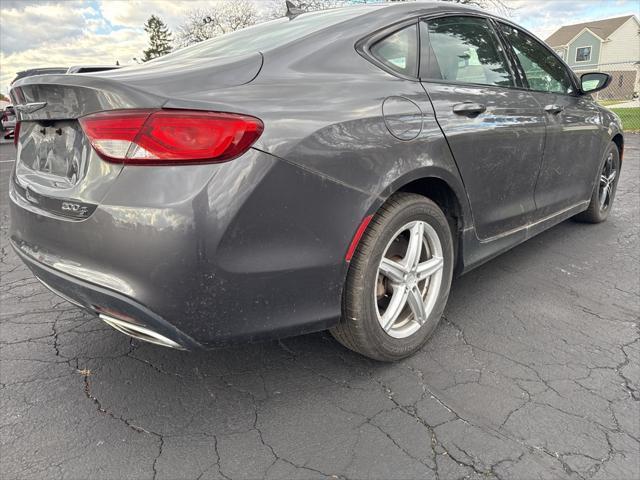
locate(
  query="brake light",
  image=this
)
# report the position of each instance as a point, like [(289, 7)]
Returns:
[(157, 137)]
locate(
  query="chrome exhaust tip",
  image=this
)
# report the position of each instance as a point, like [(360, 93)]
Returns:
[(139, 332)]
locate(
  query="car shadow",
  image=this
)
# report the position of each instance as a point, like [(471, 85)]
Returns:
[(306, 393)]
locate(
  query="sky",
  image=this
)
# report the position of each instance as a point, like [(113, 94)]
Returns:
[(41, 33)]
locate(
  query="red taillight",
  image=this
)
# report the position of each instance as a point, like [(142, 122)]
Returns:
[(156, 137), (16, 134)]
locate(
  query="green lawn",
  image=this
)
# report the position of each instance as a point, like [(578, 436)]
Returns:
[(630, 118)]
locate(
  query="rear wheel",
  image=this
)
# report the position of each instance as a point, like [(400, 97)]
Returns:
[(605, 189), (398, 281)]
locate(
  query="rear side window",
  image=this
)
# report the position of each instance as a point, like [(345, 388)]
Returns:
[(465, 49), (399, 51), (544, 72)]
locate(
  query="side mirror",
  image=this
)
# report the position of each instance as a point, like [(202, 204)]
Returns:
[(593, 82)]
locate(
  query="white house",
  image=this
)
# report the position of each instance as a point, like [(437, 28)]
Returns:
[(611, 45)]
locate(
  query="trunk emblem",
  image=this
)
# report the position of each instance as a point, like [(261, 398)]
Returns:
[(30, 107), (76, 208)]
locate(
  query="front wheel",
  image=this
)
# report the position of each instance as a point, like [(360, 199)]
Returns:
[(605, 189), (398, 281)]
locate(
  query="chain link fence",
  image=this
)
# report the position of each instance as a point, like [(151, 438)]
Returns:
[(625, 85), (622, 94)]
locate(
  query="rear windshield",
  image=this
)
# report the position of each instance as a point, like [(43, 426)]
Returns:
[(266, 36)]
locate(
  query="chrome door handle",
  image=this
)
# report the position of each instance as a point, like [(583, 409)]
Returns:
[(553, 109), (468, 108)]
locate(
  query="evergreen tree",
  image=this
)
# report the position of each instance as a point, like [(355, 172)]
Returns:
[(159, 39)]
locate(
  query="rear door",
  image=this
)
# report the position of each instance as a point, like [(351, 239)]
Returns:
[(495, 129), (573, 147)]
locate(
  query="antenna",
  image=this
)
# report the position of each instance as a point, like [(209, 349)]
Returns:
[(292, 10)]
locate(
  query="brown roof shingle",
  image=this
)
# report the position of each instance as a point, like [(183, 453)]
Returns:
[(602, 28)]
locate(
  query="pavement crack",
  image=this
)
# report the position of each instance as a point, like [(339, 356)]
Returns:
[(400, 447), (635, 395), (128, 423), (218, 462), (155, 460)]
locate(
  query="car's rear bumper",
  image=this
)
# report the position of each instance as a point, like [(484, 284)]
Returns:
[(109, 305), (243, 251)]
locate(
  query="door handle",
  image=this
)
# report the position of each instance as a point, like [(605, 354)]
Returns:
[(553, 109), (468, 108)]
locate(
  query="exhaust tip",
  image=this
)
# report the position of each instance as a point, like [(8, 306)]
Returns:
[(139, 332)]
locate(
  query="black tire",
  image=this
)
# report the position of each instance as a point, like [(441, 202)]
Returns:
[(595, 213), (359, 328)]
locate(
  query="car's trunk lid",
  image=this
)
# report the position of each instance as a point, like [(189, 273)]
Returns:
[(172, 77), (57, 170)]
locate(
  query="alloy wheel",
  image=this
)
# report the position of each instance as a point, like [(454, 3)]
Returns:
[(607, 182), (409, 279)]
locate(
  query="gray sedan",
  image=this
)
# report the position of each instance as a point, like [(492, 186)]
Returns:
[(329, 170)]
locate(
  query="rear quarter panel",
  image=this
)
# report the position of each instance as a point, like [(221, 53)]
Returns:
[(322, 107)]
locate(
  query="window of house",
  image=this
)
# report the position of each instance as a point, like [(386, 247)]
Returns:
[(399, 51), (465, 49), (583, 54)]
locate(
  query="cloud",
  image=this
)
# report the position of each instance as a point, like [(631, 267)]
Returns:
[(71, 32), (133, 13), (545, 17), (36, 24), (91, 48)]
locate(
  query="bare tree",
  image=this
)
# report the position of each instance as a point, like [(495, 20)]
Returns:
[(312, 5), (277, 8), (229, 15), (223, 17)]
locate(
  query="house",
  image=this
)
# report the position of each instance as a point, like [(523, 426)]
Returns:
[(611, 45)]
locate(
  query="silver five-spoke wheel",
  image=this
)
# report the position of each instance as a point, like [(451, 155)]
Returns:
[(409, 279), (607, 182), (398, 280), (604, 190)]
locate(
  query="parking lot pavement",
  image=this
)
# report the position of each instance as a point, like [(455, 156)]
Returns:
[(534, 373)]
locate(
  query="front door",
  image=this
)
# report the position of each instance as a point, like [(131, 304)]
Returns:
[(494, 129), (573, 147)]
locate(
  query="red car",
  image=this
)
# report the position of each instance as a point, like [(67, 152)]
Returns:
[(8, 121)]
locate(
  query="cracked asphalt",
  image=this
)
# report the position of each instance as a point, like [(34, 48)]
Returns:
[(533, 373)]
